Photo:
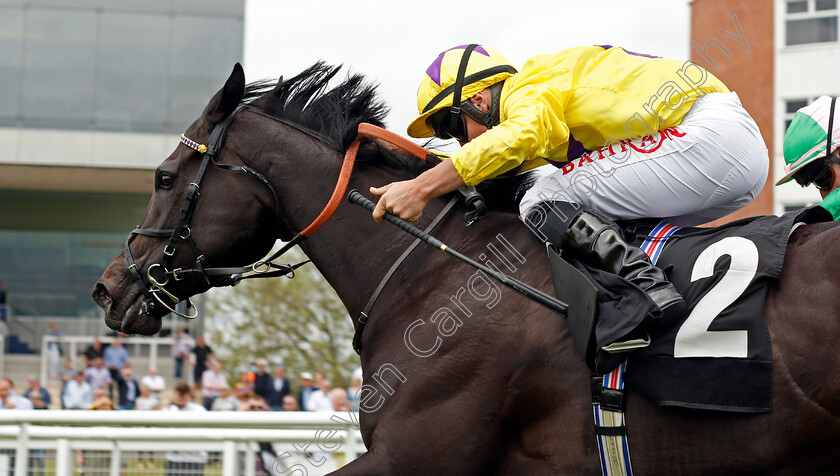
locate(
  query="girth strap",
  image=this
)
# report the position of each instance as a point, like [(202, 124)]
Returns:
[(610, 431)]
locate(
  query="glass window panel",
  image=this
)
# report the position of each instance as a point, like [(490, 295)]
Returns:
[(812, 30), (201, 63), (132, 71), (129, 6), (60, 65), (11, 61), (123, 68), (206, 46), (787, 124), (52, 273), (795, 105), (209, 7), (826, 4), (190, 94), (86, 4), (797, 7)]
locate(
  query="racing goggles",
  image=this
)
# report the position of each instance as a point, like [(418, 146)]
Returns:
[(819, 174), (825, 178), (448, 124)]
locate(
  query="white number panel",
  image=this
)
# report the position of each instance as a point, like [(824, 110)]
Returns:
[(694, 339)]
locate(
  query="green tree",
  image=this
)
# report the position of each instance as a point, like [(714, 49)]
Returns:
[(300, 322)]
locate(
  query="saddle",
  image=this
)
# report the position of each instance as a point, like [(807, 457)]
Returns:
[(718, 356), (578, 286)]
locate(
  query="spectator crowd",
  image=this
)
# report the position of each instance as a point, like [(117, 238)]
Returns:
[(107, 381)]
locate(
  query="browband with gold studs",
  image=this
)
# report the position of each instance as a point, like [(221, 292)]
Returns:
[(193, 144)]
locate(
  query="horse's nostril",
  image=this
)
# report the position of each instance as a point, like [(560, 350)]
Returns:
[(101, 295)]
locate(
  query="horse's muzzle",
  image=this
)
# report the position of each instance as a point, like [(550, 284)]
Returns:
[(130, 313)]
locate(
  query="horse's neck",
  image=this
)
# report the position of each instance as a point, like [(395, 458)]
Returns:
[(351, 250), (354, 253)]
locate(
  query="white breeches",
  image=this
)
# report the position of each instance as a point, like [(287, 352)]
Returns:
[(712, 164)]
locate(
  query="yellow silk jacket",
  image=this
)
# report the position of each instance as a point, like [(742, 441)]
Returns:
[(561, 105)]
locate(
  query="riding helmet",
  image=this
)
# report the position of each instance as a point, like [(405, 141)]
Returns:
[(807, 136), (458, 72)]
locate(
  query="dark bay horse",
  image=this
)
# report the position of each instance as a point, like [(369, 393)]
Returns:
[(462, 376)]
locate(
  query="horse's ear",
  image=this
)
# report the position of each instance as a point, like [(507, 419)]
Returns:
[(279, 83), (229, 97)]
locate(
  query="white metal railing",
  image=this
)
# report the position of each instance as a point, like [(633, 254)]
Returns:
[(89, 325), (2, 355), (233, 436), (74, 342)]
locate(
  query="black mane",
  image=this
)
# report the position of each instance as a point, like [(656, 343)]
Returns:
[(335, 114)]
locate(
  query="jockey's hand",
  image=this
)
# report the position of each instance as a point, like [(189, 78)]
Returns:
[(402, 199), (408, 198)]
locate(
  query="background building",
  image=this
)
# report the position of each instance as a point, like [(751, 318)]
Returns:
[(93, 95), (807, 67), (778, 55)]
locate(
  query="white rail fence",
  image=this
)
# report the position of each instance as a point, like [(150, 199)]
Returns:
[(51, 442)]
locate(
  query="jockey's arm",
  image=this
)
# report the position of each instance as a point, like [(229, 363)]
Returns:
[(408, 198), (486, 154)]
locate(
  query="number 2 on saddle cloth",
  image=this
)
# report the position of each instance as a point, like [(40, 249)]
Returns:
[(723, 274)]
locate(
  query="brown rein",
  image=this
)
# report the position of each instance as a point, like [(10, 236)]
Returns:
[(340, 191)]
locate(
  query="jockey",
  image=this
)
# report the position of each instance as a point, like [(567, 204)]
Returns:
[(811, 157), (626, 134)]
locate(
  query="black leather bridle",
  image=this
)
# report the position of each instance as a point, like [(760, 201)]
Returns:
[(153, 286)]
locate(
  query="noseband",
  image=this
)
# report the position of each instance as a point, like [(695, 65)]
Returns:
[(153, 287)]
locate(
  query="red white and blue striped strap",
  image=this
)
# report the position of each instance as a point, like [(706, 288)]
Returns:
[(608, 404), (610, 431), (656, 239)]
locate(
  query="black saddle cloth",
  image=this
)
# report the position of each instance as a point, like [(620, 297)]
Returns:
[(718, 356)]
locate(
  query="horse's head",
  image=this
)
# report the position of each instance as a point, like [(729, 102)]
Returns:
[(204, 212)]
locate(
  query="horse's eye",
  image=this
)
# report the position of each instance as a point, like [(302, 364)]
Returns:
[(165, 180)]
